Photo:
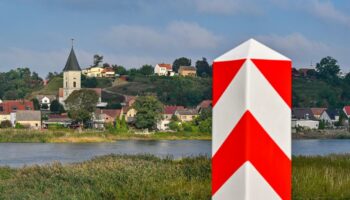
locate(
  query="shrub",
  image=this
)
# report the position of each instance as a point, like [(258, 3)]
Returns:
[(6, 124)]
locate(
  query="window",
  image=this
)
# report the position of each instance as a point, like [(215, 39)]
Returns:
[(14, 108), (66, 84), (1, 109), (74, 84)]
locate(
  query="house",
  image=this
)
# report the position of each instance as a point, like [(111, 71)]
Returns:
[(317, 112), (128, 111), (45, 100), (330, 116), (130, 114), (204, 105), (187, 71), (303, 117), (108, 72), (346, 111), (57, 119), (29, 118), (186, 115), (302, 113), (99, 72), (9, 106), (164, 70), (168, 113), (304, 71), (106, 116)]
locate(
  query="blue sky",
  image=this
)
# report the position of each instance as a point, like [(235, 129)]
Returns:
[(36, 33)]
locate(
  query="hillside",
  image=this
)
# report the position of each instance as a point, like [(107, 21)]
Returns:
[(308, 92), (187, 91)]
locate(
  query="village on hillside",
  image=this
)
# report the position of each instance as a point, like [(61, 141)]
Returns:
[(47, 111), (313, 89)]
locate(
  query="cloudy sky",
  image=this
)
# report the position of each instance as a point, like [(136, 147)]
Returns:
[(36, 33)]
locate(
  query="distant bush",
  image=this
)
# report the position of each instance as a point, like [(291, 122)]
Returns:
[(6, 124)]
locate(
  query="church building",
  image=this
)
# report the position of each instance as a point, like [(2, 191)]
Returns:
[(71, 77), (72, 81)]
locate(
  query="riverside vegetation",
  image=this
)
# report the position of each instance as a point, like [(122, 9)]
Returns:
[(149, 177), (66, 135)]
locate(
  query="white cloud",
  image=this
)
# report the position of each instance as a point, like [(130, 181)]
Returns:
[(176, 37), (300, 49), (321, 9)]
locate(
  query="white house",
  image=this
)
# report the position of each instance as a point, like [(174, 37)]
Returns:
[(45, 100), (330, 116), (305, 123), (164, 70)]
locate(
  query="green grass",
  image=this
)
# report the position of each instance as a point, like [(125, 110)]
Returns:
[(52, 87), (111, 177), (321, 177), (68, 135), (148, 177)]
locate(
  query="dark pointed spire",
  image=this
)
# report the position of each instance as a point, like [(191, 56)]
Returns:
[(72, 62)]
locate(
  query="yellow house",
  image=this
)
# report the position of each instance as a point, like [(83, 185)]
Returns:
[(99, 72), (186, 115), (5, 116), (187, 71), (93, 72)]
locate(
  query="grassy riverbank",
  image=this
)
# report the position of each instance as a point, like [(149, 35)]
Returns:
[(59, 136), (111, 177), (148, 177), (322, 134)]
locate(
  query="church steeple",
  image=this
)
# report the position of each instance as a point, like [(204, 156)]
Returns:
[(72, 62)]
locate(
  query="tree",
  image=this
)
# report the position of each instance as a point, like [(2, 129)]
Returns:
[(44, 106), (328, 69), (56, 107), (36, 104), (203, 68), (181, 62), (147, 70), (149, 111), (88, 82), (119, 70), (81, 104), (106, 65), (97, 60)]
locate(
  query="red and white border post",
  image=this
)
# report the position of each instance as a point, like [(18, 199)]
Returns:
[(251, 152)]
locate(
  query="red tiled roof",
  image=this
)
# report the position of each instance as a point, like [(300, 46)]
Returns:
[(167, 66), (111, 112), (9, 106), (347, 110), (108, 69), (170, 110), (205, 104), (317, 111)]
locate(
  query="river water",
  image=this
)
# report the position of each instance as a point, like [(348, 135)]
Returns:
[(20, 154)]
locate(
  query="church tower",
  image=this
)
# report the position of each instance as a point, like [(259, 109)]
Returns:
[(71, 75)]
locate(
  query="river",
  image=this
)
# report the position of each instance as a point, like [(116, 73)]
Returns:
[(20, 154)]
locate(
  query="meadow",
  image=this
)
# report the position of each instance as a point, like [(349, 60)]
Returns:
[(149, 177)]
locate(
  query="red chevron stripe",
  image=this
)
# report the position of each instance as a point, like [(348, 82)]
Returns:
[(224, 72), (248, 141), (279, 75)]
